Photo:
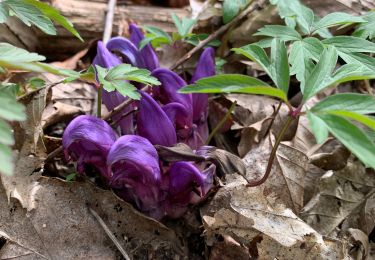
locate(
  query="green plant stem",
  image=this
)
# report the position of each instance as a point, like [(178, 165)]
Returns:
[(273, 154), (221, 123), (99, 112)]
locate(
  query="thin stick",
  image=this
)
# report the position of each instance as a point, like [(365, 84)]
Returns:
[(109, 233), (273, 154), (109, 21), (221, 123), (251, 7), (116, 122)]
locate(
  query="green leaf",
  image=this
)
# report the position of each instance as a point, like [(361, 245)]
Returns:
[(318, 127), (6, 160), (337, 18), (285, 33), (280, 65), (55, 16), (11, 110), (128, 72), (71, 177), (352, 137), (157, 31), (126, 89), (358, 58), (359, 103), (183, 26), (365, 120), (6, 134), (231, 8), (233, 83), (366, 30), (195, 39), (36, 82), (257, 54), (156, 37), (29, 15), (321, 73), (350, 44), (350, 72), (301, 55), (14, 54), (3, 14)]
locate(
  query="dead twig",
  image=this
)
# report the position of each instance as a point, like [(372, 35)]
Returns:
[(109, 233), (109, 21), (251, 7)]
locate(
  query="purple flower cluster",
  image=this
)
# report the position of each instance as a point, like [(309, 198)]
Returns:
[(130, 164)]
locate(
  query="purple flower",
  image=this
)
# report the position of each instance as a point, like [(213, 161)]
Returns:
[(134, 163), (187, 184), (87, 140), (153, 123)]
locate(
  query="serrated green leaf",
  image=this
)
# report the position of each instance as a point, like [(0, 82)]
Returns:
[(29, 15), (350, 72), (359, 103), (55, 16), (6, 160), (285, 33), (233, 83), (321, 73), (318, 127), (128, 72), (231, 8), (157, 31), (352, 137), (6, 133), (280, 65), (14, 54), (336, 18), (350, 44), (126, 89)]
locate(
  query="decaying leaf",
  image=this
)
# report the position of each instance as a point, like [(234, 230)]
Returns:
[(342, 194), (61, 226)]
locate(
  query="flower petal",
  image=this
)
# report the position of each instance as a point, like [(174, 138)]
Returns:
[(104, 58), (153, 123), (136, 173), (205, 68), (88, 139), (170, 83), (148, 54), (127, 49)]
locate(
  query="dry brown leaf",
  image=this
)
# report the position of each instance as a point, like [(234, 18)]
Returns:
[(253, 217), (61, 226), (288, 171), (342, 194)]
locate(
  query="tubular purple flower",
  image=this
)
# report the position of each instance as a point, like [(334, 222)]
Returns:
[(148, 54), (106, 59), (187, 185), (136, 173), (88, 139), (128, 51), (153, 123), (205, 68)]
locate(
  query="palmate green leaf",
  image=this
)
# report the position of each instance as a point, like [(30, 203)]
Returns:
[(352, 137), (6, 160), (55, 16), (125, 88), (350, 44), (183, 26), (231, 8), (337, 18), (280, 65), (128, 72), (282, 32), (321, 73), (318, 127), (233, 83), (359, 103), (366, 30)]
